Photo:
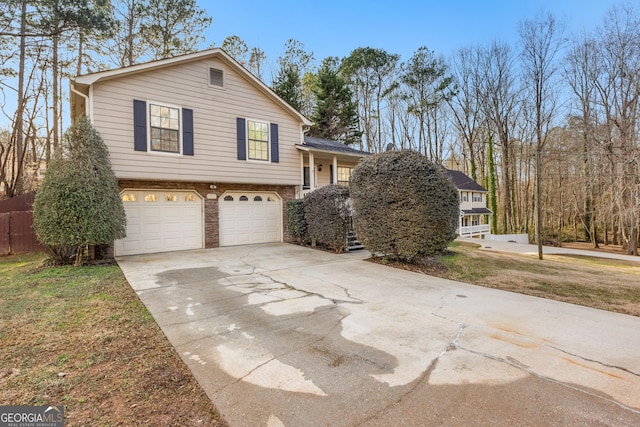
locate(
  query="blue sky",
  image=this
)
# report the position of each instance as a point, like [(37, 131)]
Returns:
[(335, 28)]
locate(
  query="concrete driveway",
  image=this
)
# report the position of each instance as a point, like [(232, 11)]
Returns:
[(283, 335)]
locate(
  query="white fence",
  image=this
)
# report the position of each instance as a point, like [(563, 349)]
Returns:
[(475, 230)]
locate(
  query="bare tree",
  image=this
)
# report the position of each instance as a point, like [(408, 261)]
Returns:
[(619, 90), (580, 67), (467, 104), (370, 73), (500, 99), (541, 39)]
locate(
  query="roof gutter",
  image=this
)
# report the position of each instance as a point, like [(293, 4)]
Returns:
[(319, 150)]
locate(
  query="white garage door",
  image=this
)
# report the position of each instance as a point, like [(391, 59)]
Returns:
[(161, 221), (250, 217)]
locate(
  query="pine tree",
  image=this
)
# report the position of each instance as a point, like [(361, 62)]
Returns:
[(288, 86), (335, 115)]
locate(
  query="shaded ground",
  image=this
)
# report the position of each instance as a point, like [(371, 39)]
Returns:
[(79, 337), (606, 284)]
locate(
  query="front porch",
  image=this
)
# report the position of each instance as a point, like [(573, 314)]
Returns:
[(324, 162), (474, 223)]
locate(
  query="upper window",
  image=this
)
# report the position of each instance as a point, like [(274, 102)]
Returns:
[(344, 175), (165, 128), (477, 197), (258, 140), (216, 77), (465, 197)]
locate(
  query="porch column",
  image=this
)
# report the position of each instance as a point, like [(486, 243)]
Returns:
[(312, 171), (301, 169), (335, 169)]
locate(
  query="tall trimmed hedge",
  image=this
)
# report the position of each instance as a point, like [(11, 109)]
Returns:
[(405, 206), (327, 212), (296, 223), (78, 203)]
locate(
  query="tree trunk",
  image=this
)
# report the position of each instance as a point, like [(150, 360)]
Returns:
[(538, 205), (56, 92), (19, 121)]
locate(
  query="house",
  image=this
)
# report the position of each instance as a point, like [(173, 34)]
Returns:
[(206, 155), (474, 215)]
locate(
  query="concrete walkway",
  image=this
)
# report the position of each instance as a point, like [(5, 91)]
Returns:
[(283, 335), (519, 248)]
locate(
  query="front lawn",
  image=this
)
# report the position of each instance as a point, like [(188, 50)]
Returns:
[(81, 338)]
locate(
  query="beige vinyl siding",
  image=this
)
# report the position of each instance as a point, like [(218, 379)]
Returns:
[(214, 122)]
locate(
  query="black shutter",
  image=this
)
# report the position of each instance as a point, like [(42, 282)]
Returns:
[(139, 125), (331, 174), (187, 132), (241, 130), (275, 155)]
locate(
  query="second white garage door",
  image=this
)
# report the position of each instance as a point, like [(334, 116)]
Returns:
[(250, 217)]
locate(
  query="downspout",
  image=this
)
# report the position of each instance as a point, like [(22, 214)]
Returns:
[(86, 100)]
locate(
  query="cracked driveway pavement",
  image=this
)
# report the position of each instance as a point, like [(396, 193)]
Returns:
[(279, 334)]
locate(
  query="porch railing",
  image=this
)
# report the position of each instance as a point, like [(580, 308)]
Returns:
[(475, 230)]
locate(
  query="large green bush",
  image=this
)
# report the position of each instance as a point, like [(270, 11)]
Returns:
[(296, 223), (78, 203), (405, 206), (327, 212)]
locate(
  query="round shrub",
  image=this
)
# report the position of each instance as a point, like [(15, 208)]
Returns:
[(405, 206), (327, 211)]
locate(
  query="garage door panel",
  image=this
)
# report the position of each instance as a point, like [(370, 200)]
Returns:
[(160, 221), (254, 220)]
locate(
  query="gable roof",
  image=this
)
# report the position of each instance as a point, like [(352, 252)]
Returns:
[(463, 182), (326, 145), (86, 80)]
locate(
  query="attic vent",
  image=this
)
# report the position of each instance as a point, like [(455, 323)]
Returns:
[(215, 77)]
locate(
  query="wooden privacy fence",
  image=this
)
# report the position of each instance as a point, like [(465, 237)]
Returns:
[(16, 231)]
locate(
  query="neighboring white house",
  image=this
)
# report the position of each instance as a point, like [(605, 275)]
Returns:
[(474, 214)]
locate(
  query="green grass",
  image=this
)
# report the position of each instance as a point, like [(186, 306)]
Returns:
[(609, 284), (68, 334)]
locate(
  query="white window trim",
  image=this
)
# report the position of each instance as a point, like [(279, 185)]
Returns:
[(224, 78), (246, 142), (180, 129)]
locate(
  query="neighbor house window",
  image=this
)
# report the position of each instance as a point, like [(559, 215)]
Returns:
[(477, 197), (258, 140), (344, 175), (465, 197), (165, 128)]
